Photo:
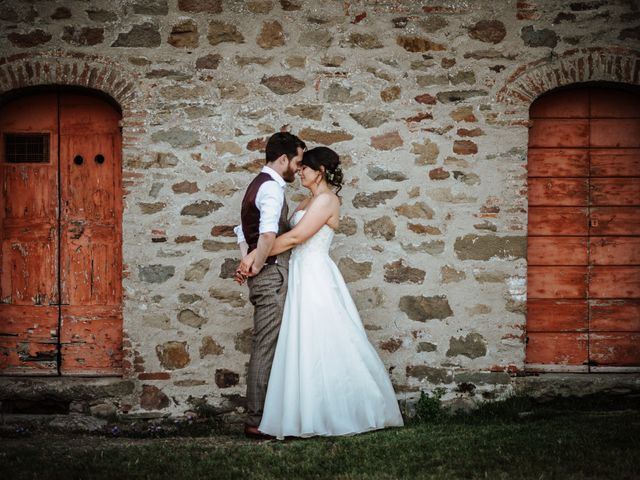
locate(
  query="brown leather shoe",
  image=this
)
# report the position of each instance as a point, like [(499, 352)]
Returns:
[(253, 432)]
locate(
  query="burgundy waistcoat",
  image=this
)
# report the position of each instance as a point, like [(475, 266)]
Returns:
[(250, 217)]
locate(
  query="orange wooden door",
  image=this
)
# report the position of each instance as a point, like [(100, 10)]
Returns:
[(614, 250), (90, 237), (84, 228), (28, 226), (584, 239)]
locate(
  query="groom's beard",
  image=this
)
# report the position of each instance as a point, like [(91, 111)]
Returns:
[(289, 175)]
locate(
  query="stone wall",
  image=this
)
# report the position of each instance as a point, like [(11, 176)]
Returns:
[(425, 101)]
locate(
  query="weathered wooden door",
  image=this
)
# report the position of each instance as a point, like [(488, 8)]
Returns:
[(583, 308), (60, 286), (29, 224)]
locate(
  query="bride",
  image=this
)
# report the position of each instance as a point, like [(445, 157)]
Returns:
[(326, 378)]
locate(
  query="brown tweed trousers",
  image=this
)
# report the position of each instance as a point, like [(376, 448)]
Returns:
[(267, 294)]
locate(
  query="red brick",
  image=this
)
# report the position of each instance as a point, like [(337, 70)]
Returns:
[(425, 99), (359, 18), (223, 231)]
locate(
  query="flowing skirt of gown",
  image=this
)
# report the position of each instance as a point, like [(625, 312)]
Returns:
[(326, 378)]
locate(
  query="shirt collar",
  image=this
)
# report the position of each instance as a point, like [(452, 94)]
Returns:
[(275, 175)]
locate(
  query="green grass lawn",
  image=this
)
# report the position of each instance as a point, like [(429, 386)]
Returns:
[(516, 439)]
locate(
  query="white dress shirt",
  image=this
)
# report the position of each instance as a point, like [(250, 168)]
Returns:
[(269, 201)]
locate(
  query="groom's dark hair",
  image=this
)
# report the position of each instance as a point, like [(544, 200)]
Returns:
[(283, 143)]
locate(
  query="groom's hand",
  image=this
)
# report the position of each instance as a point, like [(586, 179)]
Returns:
[(239, 277), (246, 269), (248, 264)]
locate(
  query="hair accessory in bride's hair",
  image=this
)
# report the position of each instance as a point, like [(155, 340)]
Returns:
[(331, 174)]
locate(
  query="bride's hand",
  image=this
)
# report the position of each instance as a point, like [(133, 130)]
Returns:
[(247, 263), (245, 269)]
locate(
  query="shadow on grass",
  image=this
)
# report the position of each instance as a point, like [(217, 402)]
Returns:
[(591, 437), (429, 408)]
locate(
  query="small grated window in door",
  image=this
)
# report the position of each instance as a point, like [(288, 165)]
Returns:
[(26, 147)]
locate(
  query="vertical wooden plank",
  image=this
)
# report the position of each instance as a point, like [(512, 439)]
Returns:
[(91, 237), (558, 191), (29, 242), (615, 229)]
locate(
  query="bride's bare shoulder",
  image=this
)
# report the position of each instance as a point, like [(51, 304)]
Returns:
[(332, 199)]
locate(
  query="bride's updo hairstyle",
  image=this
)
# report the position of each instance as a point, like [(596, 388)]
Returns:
[(325, 157)]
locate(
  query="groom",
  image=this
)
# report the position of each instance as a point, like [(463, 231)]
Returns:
[(264, 215)]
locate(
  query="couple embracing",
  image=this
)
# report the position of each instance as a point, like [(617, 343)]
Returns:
[(312, 369)]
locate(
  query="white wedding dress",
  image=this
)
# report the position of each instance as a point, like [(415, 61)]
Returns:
[(326, 378)]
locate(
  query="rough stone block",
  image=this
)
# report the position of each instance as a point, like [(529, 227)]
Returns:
[(143, 35), (485, 247), (421, 308), (399, 272)]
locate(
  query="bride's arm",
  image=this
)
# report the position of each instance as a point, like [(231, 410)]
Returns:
[(314, 218)]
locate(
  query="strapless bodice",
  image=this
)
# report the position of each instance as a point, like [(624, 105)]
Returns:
[(320, 242)]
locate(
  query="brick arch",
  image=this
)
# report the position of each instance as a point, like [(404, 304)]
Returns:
[(74, 69), (529, 81)]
